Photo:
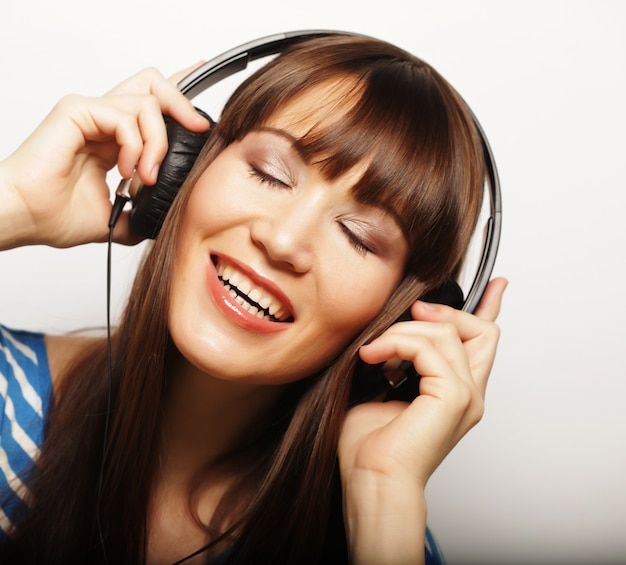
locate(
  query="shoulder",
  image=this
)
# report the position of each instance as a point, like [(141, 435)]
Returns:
[(62, 350), (30, 362), (24, 364), (39, 359), (25, 397)]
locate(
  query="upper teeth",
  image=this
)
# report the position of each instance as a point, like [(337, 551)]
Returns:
[(257, 301)]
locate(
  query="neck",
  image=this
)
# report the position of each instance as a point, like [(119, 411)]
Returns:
[(207, 418)]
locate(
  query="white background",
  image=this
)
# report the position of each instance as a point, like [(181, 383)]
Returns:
[(542, 479)]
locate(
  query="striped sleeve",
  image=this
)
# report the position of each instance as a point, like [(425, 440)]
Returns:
[(432, 553), (25, 392)]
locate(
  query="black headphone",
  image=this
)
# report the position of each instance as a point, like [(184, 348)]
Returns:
[(150, 206)]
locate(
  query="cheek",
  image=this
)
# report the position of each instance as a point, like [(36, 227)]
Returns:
[(341, 316), (219, 192), (353, 300), (205, 205)]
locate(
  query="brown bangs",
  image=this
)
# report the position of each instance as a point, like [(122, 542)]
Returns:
[(398, 125), (391, 111)]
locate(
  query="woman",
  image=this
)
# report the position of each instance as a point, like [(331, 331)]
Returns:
[(342, 182)]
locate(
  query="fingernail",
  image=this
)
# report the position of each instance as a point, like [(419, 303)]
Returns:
[(428, 305), (155, 172)]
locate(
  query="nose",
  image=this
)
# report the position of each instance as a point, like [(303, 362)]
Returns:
[(286, 233)]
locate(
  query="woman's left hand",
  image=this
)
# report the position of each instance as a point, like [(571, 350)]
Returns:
[(388, 451)]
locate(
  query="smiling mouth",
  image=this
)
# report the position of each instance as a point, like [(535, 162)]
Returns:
[(255, 300)]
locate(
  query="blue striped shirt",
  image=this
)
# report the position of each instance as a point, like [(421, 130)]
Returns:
[(25, 394)]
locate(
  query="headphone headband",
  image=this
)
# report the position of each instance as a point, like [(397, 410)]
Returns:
[(238, 58)]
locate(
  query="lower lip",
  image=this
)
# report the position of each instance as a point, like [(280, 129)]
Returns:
[(233, 311)]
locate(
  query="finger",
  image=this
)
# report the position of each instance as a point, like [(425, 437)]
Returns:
[(139, 83), (430, 359), (171, 101), (155, 144), (491, 302), (103, 121), (479, 337), (444, 337), (98, 120), (137, 126), (468, 325), (176, 105), (180, 75)]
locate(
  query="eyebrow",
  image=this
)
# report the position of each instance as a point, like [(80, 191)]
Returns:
[(297, 146), (292, 139)]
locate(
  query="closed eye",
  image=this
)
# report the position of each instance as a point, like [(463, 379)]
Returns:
[(356, 242), (265, 178)]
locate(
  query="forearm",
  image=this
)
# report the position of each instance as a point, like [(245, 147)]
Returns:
[(385, 521)]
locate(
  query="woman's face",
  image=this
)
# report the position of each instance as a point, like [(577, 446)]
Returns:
[(277, 268)]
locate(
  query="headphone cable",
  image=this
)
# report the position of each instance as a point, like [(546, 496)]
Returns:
[(121, 197)]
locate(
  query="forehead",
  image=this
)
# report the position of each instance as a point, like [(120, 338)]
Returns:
[(316, 108), (309, 120)]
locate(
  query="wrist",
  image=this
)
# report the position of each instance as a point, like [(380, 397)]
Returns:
[(385, 519), (16, 223)]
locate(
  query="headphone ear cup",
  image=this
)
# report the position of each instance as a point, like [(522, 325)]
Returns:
[(449, 293), (151, 203)]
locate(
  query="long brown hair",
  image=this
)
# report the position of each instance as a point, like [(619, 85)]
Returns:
[(425, 161)]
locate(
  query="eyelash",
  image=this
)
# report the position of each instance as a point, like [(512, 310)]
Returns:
[(355, 241), (264, 178)]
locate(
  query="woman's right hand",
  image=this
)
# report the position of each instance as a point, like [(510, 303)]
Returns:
[(53, 187)]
